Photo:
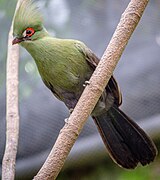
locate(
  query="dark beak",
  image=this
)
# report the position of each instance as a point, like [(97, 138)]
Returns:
[(17, 40)]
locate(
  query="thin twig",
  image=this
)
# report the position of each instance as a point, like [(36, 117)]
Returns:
[(12, 113), (92, 92)]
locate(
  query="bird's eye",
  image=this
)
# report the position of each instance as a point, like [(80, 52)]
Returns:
[(28, 32)]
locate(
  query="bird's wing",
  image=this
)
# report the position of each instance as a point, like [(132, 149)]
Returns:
[(115, 90), (49, 85), (91, 58), (93, 61)]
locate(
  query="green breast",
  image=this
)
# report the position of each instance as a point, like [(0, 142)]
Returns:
[(60, 63)]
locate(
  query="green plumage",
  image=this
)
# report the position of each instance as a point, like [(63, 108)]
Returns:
[(64, 66), (27, 16)]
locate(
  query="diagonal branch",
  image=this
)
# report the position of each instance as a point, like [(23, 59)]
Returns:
[(92, 92)]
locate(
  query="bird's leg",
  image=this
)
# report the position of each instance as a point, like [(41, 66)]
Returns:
[(70, 112), (66, 120), (86, 83), (70, 101)]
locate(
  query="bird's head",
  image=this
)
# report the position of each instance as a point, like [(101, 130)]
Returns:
[(28, 23)]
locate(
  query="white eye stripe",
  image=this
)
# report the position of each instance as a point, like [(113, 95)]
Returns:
[(24, 34)]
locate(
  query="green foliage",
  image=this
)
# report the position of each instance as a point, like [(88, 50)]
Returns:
[(141, 173), (109, 171)]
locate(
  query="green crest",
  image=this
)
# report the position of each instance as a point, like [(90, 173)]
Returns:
[(27, 15)]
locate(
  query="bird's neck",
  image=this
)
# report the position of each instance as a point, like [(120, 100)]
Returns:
[(40, 49)]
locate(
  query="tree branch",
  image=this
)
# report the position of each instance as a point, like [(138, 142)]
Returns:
[(12, 113), (92, 92)]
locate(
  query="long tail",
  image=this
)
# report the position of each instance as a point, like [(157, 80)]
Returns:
[(126, 142)]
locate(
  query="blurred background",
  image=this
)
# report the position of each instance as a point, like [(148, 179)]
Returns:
[(42, 116)]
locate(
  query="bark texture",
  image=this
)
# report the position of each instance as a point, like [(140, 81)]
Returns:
[(12, 111)]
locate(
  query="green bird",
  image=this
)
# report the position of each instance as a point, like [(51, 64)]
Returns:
[(65, 65)]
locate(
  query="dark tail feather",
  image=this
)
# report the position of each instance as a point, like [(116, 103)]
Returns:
[(126, 142)]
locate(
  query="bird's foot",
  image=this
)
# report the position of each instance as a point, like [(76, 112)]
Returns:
[(66, 120), (86, 83), (71, 110)]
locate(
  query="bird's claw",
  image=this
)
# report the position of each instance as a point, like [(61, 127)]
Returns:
[(86, 83), (66, 120), (71, 110)]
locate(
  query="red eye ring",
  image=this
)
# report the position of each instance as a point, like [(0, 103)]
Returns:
[(29, 32)]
